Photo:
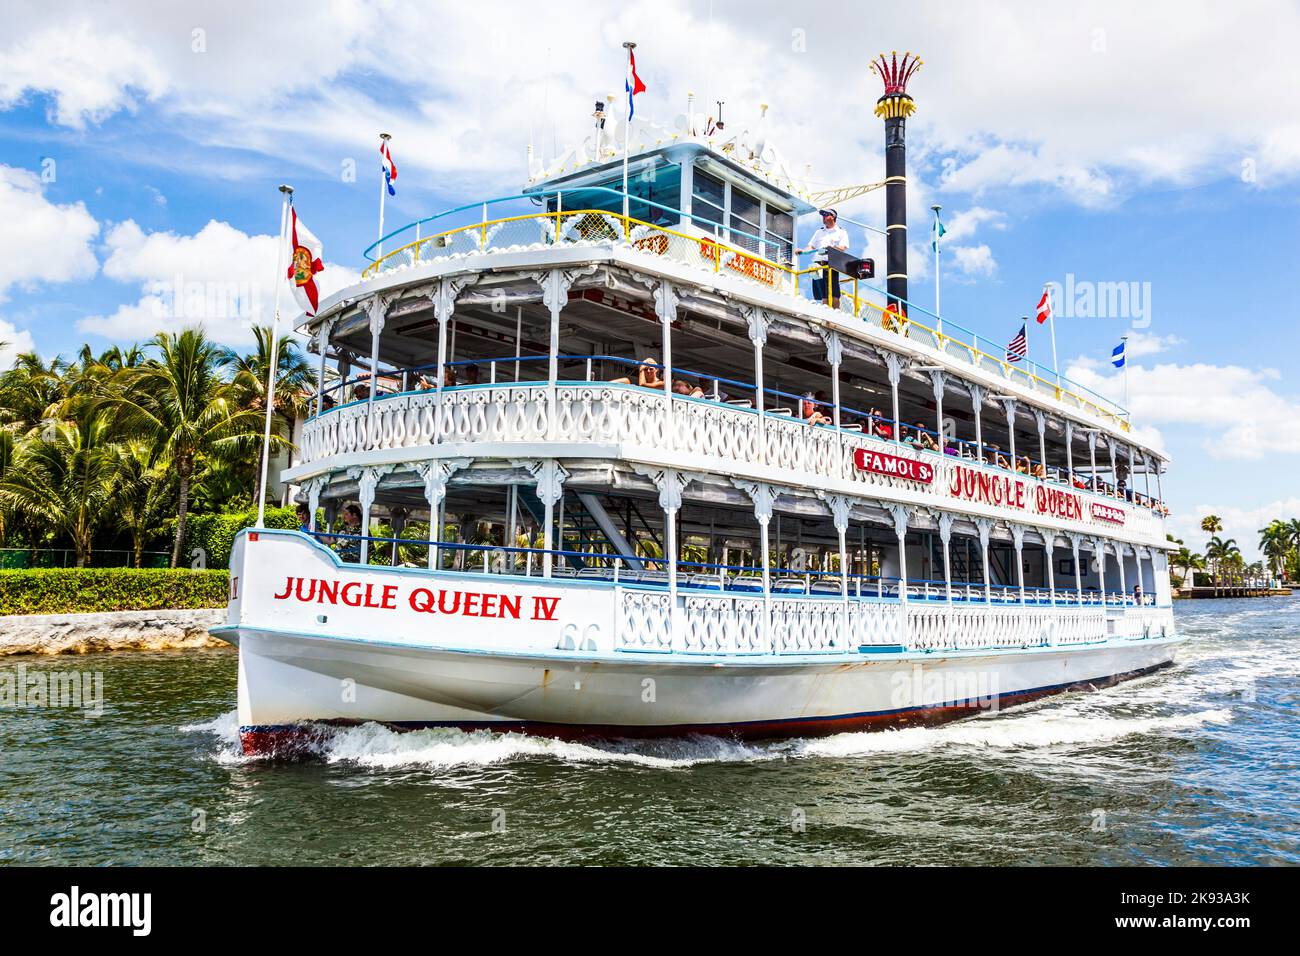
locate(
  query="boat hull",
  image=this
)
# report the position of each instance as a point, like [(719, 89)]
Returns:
[(576, 673)]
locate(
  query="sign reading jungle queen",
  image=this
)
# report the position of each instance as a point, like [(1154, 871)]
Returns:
[(893, 466)]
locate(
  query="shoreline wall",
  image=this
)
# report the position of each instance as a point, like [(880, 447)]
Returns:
[(108, 631)]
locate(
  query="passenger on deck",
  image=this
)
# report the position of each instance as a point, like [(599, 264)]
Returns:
[(998, 459), (349, 548), (304, 518), (924, 439), (1137, 594), (878, 427), (1038, 471), (811, 413), (647, 375), (683, 387)]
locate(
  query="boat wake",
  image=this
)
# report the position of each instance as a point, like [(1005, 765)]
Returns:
[(1165, 704)]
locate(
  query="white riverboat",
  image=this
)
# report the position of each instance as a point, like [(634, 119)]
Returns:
[(619, 473)]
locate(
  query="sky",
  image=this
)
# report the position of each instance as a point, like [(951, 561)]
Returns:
[(1155, 145)]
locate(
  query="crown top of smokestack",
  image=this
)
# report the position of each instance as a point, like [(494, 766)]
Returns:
[(895, 72)]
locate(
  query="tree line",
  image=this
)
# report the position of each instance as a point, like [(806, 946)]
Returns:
[(121, 446), (1222, 559)]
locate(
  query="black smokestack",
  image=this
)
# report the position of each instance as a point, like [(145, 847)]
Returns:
[(894, 107)]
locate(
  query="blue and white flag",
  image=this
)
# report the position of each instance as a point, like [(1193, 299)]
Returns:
[(1117, 355)]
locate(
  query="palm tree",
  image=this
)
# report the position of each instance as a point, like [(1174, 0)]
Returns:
[(1275, 542), (1211, 524), (1221, 554), (295, 382), (63, 478), (30, 391), (179, 404), (142, 496)]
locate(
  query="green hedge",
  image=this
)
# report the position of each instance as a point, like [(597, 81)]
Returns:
[(86, 590), (215, 533)]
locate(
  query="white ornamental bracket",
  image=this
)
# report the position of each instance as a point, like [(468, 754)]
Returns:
[(550, 476), (839, 506), (1049, 541), (368, 481), (900, 516), (443, 295), (757, 320), (762, 495), (946, 521), (893, 365), (376, 308), (977, 395), (436, 476), (834, 345), (938, 381)]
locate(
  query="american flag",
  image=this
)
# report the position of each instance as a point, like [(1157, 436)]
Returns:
[(1018, 347)]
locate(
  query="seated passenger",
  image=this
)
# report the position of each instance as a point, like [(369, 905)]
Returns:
[(997, 459), (811, 413), (1038, 471), (304, 518), (647, 375), (876, 426), (349, 548), (683, 387), (924, 439)]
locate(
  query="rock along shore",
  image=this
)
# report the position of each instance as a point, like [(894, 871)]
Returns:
[(108, 631)]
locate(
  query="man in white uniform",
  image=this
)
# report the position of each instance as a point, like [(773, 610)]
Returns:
[(830, 236)]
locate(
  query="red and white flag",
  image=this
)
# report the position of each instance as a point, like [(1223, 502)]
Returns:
[(1044, 307), (304, 263)]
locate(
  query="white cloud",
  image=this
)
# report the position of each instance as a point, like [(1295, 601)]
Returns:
[(220, 278), (1142, 344), (42, 241), (89, 71), (13, 342), (1240, 410), (975, 260), (1086, 100)]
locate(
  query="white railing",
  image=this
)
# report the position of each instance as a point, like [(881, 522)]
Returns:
[(721, 624), (637, 417)]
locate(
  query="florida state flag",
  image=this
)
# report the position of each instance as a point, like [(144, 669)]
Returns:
[(304, 263)]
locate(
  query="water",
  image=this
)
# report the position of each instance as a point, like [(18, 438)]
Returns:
[(1196, 764)]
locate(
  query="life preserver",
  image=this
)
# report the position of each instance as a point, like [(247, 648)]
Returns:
[(893, 319)]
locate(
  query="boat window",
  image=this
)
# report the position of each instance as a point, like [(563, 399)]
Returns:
[(708, 200), (779, 235), (745, 220), (660, 184)]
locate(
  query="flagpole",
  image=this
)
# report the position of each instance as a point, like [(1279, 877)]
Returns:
[(1051, 324), (938, 315), (627, 128), (383, 192), (1124, 340), (273, 356)]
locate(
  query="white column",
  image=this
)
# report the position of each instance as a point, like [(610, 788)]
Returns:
[(840, 507), (377, 312), (763, 496), (834, 357), (977, 396), (1040, 418), (983, 526), (1099, 549), (899, 513), (1092, 459), (1018, 540), (1049, 544), (666, 309), (937, 381), (314, 488), (322, 347), (1069, 448), (1078, 569), (946, 520), (1120, 548), (1010, 406), (367, 482), (894, 367), (436, 475), (758, 321), (443, 298), (555, 285), (671, 483), (550, 475)]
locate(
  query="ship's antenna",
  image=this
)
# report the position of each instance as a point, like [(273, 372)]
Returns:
[(690, 113)]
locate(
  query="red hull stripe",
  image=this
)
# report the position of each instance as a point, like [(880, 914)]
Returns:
[(293, 740)]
